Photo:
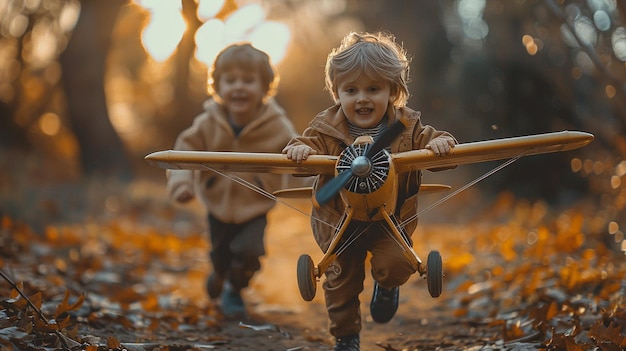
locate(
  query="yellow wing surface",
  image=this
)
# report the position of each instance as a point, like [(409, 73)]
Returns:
[(474, 152), (242, 162), (491, 150)]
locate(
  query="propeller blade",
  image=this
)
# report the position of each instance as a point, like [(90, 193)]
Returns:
[(385, 139), (330, 189)]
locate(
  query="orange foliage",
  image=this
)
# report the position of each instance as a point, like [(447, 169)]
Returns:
[(528, 274)]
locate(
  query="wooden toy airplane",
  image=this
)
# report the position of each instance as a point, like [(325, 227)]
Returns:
[(366, 179)]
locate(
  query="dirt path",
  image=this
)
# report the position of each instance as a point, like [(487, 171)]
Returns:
[(274, 297), (281, 320), (511, 283)]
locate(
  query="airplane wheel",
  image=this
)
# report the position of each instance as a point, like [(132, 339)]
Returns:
[(306, 277), (434, 273)]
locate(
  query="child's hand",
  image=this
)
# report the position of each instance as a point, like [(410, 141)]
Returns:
[(441, 146), (298, 153)]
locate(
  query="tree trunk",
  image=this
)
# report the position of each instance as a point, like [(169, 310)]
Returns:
[(102, 152)]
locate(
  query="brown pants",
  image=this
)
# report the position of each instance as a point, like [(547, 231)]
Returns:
[(344, 277)]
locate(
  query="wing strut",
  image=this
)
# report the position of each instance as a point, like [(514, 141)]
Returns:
[(260, 191), (465, 187)]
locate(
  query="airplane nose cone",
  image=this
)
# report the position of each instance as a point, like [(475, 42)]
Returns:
[(361, 166)]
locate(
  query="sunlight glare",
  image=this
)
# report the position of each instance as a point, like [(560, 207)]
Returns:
[(207, 9), (209, 40), (243, 21), (156, 4), (165, 30), (273, 38), (469, 9), (246, 24), (471, 13), (69, 15), (43, 45)]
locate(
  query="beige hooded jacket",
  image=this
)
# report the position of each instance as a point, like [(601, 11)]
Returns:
[(222, 197), (328, 134)]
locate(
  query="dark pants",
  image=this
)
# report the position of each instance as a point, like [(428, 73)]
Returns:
[(236, 248)]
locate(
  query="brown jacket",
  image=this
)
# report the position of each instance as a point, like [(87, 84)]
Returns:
[(328, 134), (222, 197)]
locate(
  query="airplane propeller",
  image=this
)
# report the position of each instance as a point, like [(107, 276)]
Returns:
[(389, 135), (361, 165)]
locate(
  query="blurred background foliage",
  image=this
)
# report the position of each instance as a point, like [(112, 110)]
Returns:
[(88, 88)]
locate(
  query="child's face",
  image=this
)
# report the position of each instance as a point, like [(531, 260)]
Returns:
[(364, 100), (242, 92)]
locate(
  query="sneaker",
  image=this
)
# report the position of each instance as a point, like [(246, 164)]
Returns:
[(348, 343), (214, 285), (384, 303), (232, 303)]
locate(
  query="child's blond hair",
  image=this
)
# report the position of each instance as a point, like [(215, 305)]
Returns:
[(377, 55), (246, 57)]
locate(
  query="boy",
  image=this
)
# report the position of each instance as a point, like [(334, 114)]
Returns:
[(241, 116), (367, 78)]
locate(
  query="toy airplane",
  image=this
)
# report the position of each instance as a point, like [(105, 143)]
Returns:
[(366, 179)]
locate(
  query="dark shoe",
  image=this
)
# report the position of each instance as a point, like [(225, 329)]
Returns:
[(232, 303), (214, 285), (348, 343), (384, 303)]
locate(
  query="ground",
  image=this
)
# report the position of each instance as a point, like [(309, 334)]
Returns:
[(518, 277)]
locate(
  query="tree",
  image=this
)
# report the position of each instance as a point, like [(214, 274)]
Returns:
[(83, 67)]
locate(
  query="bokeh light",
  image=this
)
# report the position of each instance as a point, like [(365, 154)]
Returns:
[(576, 165), (273, 38), (620, 170), (247, 23), (585, 30), (208, 9), (209, 40), (241, 22), (50, 123), (69, 15), (471, 12), (165, 29), (610, 91), (42, 48), (530, 44), (602, 20), (618, 42)]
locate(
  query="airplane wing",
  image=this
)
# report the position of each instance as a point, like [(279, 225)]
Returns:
[(242, 162), (491, 150), (474, 152)]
